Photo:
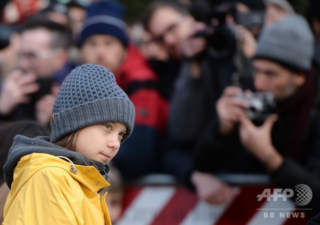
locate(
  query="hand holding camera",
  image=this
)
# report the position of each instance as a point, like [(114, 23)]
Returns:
[(257, 141), (194, 44), (25, 88), (230, 109), (236, 107), (234, 104), (16, 89)]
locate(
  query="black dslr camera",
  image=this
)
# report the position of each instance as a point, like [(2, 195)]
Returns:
[(221, 37), (261, 105)]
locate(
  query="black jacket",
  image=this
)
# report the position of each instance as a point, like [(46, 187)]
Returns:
[(191, 108), (225, 154), (315, 220)]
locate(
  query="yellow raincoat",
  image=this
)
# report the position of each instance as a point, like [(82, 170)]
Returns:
[(45, 191)]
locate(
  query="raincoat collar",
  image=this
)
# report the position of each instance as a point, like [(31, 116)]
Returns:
[(23, 146), (87, 176)]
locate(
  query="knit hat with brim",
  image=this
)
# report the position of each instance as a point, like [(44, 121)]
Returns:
[(90, 96), (105, 17), (289, 42)]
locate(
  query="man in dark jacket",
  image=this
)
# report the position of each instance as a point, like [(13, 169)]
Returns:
[(286, 145), (201, 81)]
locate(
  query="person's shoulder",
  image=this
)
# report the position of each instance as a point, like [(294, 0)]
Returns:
[(54, 171), (55, 180), (53, 175)]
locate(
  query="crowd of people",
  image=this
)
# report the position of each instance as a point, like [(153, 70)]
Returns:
[(194, 73)]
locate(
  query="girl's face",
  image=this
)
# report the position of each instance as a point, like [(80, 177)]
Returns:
[(100, 142)]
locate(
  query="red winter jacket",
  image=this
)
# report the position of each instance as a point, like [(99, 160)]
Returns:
[(137, 79)]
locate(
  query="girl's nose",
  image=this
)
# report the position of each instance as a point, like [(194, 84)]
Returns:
[(114, 142)]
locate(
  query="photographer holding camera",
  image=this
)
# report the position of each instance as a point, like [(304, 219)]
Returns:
[(29, 92), (207, 67), (286, 144)]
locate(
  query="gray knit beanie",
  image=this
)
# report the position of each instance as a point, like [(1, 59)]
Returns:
[(90, 96), (289, 41)]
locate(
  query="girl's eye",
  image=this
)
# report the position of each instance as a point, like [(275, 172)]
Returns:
[(121, 134), (108, 126)]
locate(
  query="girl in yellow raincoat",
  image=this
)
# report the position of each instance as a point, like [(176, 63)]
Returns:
[(55, 180)]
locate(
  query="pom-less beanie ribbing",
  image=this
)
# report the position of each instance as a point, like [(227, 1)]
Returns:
[(289, 41), (105, 17), (90, 96)]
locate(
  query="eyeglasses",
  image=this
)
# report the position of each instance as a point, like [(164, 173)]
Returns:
[(169, 30), (33, 56)]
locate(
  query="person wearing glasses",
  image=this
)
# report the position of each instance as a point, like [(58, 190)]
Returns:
[(202, 78), (28, 92), (171, 25)]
